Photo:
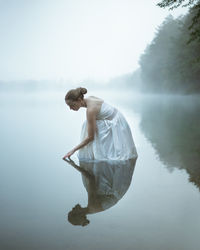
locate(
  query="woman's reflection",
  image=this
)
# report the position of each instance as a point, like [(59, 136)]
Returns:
[(106, 182)]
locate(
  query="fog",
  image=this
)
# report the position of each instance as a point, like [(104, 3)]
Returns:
[(135, 57), (68, 42)]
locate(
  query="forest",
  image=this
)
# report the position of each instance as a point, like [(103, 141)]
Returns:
[(171, 62)]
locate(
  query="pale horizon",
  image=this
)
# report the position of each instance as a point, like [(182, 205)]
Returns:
[(75, 40)]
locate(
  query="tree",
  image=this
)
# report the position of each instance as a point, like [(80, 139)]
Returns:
[(169, 64), (194, 25)]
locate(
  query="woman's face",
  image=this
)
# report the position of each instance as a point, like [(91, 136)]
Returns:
[(75, 105)]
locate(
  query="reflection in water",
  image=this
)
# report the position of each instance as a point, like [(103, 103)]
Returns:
[(173, 128), (106, 183)]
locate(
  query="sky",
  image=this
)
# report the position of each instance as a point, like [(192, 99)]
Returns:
[(75, 39)]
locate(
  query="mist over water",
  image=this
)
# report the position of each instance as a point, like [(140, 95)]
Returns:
[(127, 53), (160, 208)]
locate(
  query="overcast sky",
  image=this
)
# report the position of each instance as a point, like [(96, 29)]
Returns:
[(75, 39)]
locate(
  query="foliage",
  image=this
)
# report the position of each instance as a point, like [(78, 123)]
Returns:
[(194, 25), (169, 63)]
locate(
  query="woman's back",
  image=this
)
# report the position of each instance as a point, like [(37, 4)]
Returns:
[(94, 103)]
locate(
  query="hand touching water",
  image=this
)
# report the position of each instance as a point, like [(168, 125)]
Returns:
[(69, 154)]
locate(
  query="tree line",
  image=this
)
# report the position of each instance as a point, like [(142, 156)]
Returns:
[(171, 62)]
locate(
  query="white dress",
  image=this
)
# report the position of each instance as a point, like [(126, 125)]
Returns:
[(113, 138)]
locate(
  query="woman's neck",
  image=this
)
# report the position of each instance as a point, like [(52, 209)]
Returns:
[(84, 103)]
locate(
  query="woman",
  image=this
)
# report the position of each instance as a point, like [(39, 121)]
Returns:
[(105, 134)]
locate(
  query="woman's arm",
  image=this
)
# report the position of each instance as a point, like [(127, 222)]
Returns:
[(91, 123)]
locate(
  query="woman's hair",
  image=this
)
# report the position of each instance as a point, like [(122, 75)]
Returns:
[(74, 94), (77, 216)]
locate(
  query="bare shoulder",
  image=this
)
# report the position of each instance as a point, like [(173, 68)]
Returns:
[(94, 105), (95, 98)]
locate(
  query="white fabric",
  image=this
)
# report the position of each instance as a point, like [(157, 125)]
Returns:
[(113, 139), (111, 180)]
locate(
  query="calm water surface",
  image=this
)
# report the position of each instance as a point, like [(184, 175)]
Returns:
[(148, 205)]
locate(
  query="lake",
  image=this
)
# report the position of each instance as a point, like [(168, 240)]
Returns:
[(151, 204)]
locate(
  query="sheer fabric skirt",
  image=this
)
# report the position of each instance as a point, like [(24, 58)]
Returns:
[(113, 140)]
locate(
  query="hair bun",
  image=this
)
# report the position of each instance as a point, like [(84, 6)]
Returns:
[(83, 90), (74, 94)]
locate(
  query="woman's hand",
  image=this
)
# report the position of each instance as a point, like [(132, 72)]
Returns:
[(69, 154)]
